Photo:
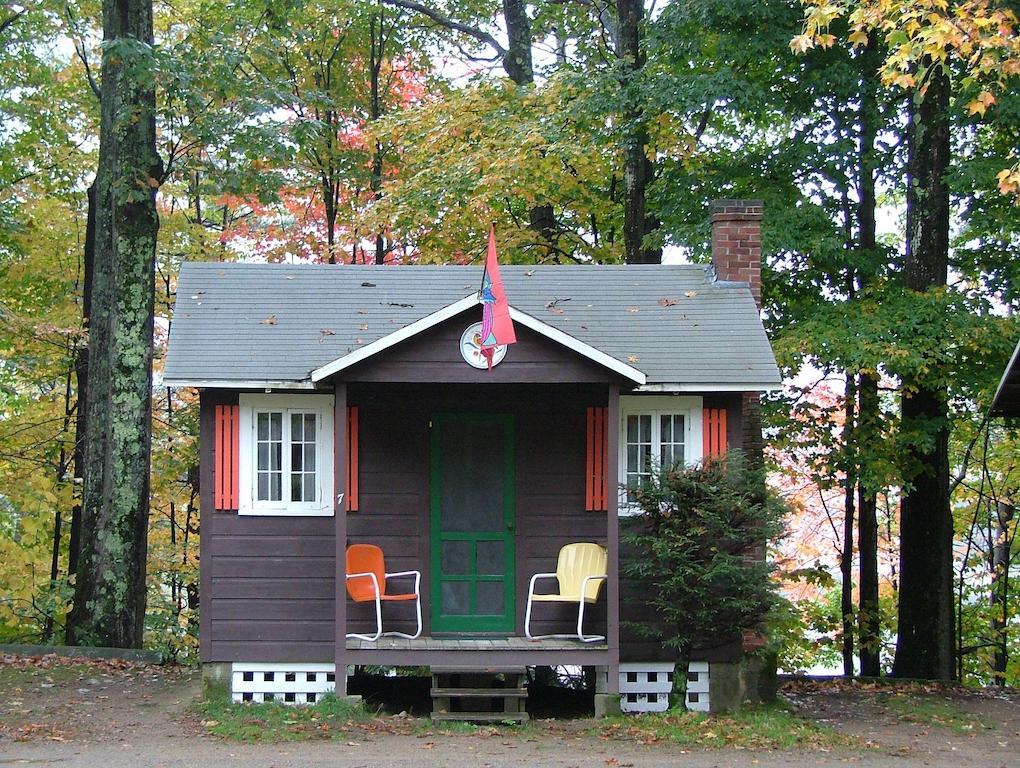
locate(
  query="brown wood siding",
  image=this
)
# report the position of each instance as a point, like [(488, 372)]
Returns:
[(267, 583), (434, 356), (549, 425)]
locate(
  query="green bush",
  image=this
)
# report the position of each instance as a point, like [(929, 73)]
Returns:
[(698, 552)]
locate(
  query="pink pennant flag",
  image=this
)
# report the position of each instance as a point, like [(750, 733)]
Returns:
[(497, 327)]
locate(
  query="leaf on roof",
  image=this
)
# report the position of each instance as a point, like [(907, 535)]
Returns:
[(633, 309), (271, 320), (529, 273), (552, 305), (362, 311), (398, 304), (326, 332), (359, 341), (556, 310), (690, 294), (363, 327), (632, 358), (368, 285), (668, 302), (290, 277)]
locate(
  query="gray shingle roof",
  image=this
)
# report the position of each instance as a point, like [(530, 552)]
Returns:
[(277, 323)]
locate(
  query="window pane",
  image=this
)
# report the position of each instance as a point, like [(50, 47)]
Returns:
[(489, 559), (310, 427), (275, 487), (263, 491), (489, 597), (263, 457), (295, 487), (276, 426), (295, 457), (310, 457), (263, 426), (632, 458), (632, 429), (295, 427), (646, 428), (309, 487), (456, 557), (666, 429), (275, 456), (455, 597)]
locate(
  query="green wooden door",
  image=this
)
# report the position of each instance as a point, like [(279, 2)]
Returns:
[(472, 500)]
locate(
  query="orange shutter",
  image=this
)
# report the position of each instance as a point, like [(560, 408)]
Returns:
[(714, 432), (352, 459), (225, 463), (596, 480)]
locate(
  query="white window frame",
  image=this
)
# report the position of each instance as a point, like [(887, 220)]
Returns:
[(322, 406), (688, 406)]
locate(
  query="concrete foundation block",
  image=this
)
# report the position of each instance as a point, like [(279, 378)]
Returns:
[(216, 681), (607, 705), (751, 680)]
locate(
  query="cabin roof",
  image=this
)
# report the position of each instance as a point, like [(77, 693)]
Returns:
[(1007, 397), (238, 324)]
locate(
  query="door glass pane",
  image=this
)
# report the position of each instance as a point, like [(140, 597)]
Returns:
[(456, 599), (472, 476), (302, 457), (490, 597), (456, 557), (671, 446), (489, 558), (268, 455)]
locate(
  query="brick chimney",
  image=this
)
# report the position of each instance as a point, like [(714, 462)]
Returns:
[(736, 242)]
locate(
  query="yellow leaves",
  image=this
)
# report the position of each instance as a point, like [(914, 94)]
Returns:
[(979, 105), (1009, 181), (858, 37), (802, 43)]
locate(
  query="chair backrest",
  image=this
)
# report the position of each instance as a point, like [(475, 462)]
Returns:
[(576, 561), (365, 558)]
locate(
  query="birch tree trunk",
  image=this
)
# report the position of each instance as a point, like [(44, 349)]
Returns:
[(109, 600)]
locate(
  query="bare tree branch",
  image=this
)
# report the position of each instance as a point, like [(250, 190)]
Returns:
[(444, 21)]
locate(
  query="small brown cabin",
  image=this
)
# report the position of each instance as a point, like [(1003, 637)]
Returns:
[(340, 405)]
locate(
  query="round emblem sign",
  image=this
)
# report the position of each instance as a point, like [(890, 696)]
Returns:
[(471, 348)]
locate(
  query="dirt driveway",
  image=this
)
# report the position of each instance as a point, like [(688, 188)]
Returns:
[(124, 715)]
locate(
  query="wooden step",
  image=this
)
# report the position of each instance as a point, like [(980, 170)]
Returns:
[(480, 717), (488, 693)]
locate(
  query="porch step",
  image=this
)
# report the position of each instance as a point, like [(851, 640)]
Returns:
[(489, 694)]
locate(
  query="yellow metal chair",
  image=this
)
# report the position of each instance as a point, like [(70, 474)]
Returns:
[(580, 571)]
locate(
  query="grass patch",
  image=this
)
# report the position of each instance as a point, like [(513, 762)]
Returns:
[(928, 711), (328, 718), (756, 727)]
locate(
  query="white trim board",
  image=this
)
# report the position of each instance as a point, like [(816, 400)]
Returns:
[(430, 321), (238, 384), (709, 387)]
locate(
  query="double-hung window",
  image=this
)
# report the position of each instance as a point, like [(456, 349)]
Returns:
[(286, 454), (656, 432)]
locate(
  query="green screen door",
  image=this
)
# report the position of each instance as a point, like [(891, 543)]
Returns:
[(472, 500)]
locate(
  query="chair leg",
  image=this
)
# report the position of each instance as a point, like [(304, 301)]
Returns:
[(580, 623), (417, 604), (527, 621), (378, 623)]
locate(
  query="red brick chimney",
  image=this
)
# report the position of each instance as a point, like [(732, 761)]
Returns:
[(736, 242)]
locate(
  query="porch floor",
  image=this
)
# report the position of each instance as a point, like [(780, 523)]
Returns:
[(477, 652), (472, 644)]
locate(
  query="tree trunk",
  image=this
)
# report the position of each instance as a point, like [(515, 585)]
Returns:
[(846, 557), (998, 591), (869, 415), (924, 646), (517, 60), (109, 599), (868, 617), (637, 170)]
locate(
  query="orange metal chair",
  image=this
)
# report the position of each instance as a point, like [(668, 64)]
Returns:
[(366, 582), (580, 572)]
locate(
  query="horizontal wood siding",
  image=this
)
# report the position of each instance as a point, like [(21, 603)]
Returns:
[(267, 582), (434, 356)]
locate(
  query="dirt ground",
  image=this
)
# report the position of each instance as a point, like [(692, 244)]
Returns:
[(129, 715)]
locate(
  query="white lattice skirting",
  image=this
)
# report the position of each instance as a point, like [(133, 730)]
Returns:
[(287, 683), (645, 687)]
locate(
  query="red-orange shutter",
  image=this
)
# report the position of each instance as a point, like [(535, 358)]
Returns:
[(352, 459), (596, 480), (713, 432), (225, 452)]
